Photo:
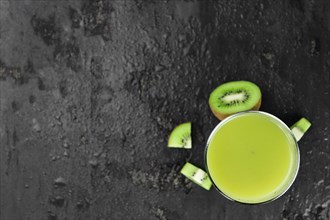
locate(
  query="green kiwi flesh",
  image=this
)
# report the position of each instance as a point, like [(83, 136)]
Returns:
[(180, 137), (196, 175), (300, 128), (232, 97)]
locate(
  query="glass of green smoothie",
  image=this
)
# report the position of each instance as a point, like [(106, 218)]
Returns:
[(252, 157)]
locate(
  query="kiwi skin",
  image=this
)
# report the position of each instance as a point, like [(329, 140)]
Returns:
[(223, 116)]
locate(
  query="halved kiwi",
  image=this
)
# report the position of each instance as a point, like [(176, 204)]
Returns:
[(232, 97), (180, 137), (197, 175)]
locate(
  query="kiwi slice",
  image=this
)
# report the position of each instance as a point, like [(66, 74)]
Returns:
[(180, 137), (300, 128), (196, 175), (232, 97)]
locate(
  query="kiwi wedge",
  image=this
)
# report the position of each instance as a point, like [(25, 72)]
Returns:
[(180, 137), (196, 175), (232, 97), (300, 128)]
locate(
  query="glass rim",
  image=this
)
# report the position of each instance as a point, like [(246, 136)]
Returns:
[(221, 123)]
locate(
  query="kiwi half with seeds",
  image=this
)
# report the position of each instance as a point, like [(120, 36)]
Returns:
[(232, 97), (180, 137), (197, 175)]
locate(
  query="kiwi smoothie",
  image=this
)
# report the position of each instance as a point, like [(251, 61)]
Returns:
[(251, 158)]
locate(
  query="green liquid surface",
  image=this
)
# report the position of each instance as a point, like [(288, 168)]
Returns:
[(252, 158)]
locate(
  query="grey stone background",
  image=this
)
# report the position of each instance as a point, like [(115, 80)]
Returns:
[(90, 89)]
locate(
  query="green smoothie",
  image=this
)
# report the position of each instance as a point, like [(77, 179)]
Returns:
[(252, 158)]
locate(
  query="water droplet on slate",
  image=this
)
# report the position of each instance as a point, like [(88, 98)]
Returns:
[(60, 181), (159, 68), (94, 163), (51, 215), (35, 125), (57, 201)]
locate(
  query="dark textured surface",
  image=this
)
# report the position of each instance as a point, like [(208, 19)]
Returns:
[(91, 89)]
